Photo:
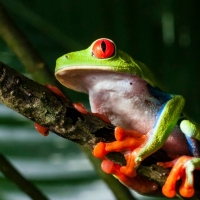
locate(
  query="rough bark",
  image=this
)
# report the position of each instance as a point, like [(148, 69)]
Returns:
[(39, 104)]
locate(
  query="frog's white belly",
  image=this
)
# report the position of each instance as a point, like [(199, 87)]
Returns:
[(126, 102), (129, 113)]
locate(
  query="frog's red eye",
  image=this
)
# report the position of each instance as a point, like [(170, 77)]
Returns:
[(103, 48)]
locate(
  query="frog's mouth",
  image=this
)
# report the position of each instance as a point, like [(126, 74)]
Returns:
[(79, 78)]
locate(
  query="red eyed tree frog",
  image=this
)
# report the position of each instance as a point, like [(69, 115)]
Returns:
[(147, 118)]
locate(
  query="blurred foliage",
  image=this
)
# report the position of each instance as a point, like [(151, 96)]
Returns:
[(163, 34)]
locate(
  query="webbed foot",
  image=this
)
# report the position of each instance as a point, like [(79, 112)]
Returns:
[(183, 168), (127, 142)]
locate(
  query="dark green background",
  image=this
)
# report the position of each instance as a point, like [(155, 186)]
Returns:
[(164, 34)]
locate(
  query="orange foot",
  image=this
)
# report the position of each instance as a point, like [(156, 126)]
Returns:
[(128, 141), (183, 168), (137, 183)]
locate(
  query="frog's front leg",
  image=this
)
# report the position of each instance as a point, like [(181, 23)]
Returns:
[(156, 137), (139, 146), (136, 147)]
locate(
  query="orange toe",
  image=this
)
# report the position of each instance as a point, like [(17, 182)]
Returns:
[(55, 90), (121, 133), (187, 191), (107, 166), (99, 150), (79, 106), (41, 129), (129, 169), (187, 187)]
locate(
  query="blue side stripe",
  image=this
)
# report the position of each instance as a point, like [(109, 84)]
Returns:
[(158, 94), (158, 114), (193, 145)]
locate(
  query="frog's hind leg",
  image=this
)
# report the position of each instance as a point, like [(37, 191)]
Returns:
[(183, 168)]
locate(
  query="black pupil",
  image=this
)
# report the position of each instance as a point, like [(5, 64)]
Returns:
[(103, 46)]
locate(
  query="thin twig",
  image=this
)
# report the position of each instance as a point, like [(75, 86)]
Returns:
[(19, 180)]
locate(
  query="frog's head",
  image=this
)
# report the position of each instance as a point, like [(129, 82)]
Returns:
[(102, 56)]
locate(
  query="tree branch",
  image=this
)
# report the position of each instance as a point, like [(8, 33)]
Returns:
[(57, 113)]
